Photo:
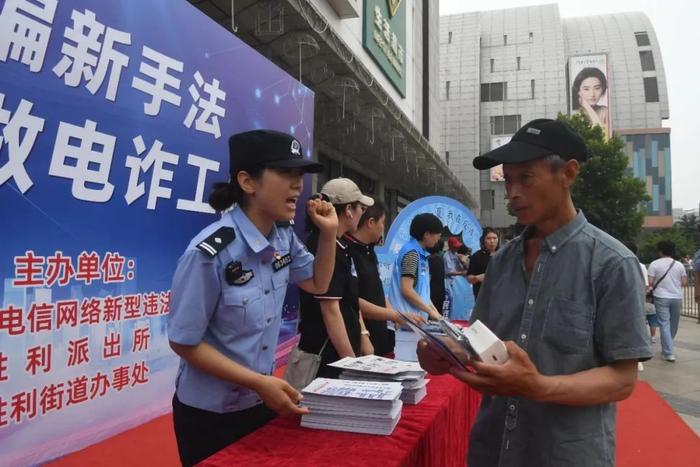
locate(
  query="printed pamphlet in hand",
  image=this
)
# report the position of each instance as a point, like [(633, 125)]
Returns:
[(435, 341), (477, 342)]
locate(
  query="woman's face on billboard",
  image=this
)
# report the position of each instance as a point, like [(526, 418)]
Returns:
[(591, 90)]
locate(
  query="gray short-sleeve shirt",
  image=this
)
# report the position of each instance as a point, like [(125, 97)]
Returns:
[(581, 308)]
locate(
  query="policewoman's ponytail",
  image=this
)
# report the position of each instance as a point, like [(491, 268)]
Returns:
[(226, 194)]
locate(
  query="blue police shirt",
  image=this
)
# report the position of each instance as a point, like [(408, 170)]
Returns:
[(243, 320)]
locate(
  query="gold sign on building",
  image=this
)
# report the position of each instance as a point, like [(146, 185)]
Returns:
[(393, 7)]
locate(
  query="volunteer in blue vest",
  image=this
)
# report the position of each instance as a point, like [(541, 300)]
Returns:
[(228, 291), (410, 278)]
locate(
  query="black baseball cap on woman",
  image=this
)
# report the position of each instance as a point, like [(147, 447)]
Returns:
[(535, 140), (267, 148)]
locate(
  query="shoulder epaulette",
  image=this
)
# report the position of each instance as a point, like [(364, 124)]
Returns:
[(216, 242)]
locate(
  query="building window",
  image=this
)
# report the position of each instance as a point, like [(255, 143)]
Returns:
[(505, 39), (532, 89), (642, 38), (447, 90), (651, 90), (517, 60), (505, 124), (492, 64), (447, 157), (492, 92), (647, 59), (449, 37)]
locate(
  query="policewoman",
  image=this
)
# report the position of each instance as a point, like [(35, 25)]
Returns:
[(228, 291)]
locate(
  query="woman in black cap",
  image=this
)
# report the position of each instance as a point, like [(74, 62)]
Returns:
[(228, 291)]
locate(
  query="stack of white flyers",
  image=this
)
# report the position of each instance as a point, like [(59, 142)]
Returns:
[(376, 368), (371, 407)]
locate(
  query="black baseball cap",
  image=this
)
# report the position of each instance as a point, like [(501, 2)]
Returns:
[(267, 148), (535, 140)]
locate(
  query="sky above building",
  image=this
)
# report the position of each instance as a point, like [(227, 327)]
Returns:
[(677, 26)]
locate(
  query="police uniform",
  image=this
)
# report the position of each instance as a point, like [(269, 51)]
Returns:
[(228, 291)]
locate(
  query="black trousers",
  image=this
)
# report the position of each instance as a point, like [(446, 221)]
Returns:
[(201, 433)]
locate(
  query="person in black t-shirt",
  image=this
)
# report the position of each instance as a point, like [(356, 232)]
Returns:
[(373, 304), (330, 323), (436, 264), (479, 261)]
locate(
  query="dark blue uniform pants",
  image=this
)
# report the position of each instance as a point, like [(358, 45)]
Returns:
[(201, 433)]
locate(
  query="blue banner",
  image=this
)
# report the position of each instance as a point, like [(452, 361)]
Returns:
[(114, 121)]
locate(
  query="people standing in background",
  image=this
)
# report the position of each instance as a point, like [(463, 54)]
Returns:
[(456, 283), (479, 261), (330, 323), (667, 277), (464, 253), (410, 279), (649, 309), (373, 305), (436, 263), (453, 266), (696, 273)]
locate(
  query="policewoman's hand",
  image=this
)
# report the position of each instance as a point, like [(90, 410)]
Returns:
[(322, 214), (279, 396)]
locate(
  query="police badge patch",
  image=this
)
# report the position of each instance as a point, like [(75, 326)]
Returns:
[(246, 276), (295, 149), (235, 275)]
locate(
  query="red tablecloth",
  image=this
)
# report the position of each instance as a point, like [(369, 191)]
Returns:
[(434, 432)]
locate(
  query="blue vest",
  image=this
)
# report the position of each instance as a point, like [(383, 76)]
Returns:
[(422, 284)]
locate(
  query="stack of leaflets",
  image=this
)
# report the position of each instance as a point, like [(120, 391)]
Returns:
[(376, 368), (371, 407)]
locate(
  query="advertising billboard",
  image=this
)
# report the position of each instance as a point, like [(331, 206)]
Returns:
[(496, 173), (589, 89)]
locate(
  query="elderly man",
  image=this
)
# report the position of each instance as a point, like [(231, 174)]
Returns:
[(568, 300)]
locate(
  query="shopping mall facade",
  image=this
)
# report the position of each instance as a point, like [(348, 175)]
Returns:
[(405, 99), (500, 69)]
